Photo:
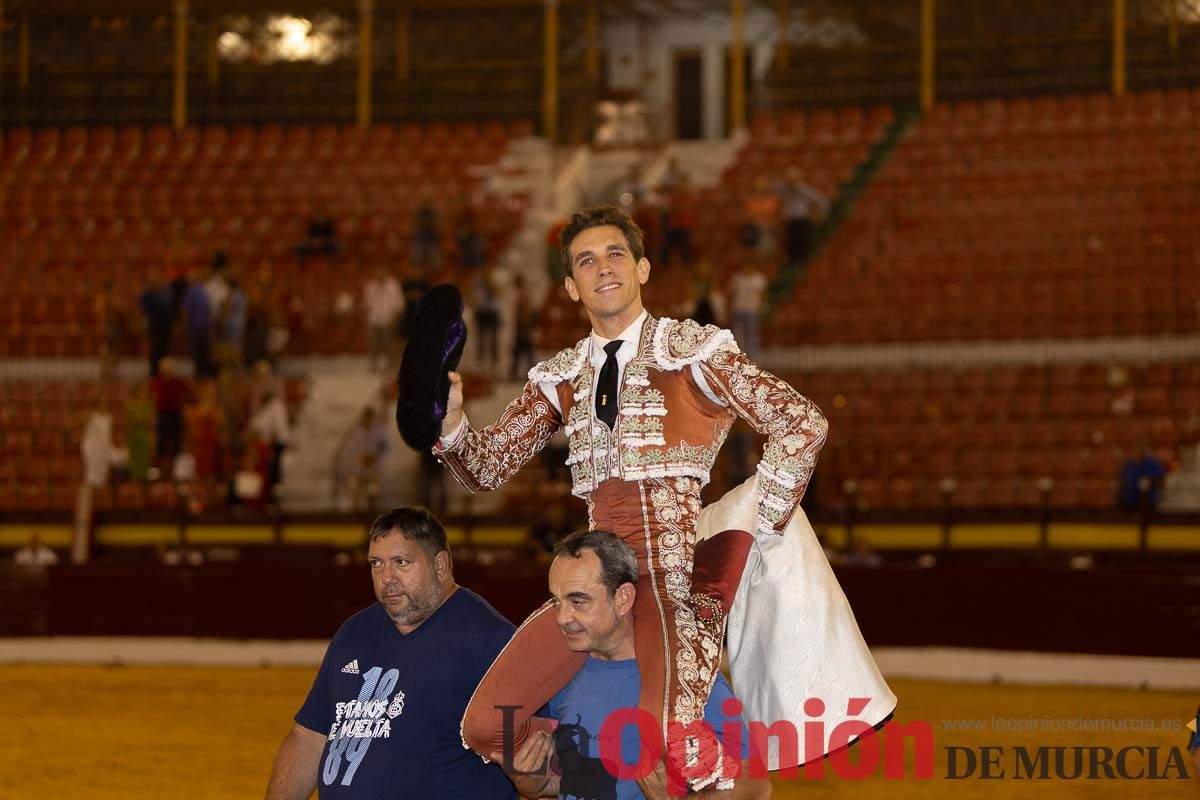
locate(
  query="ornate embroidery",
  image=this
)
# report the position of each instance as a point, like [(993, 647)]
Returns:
[(675, 504), (642, 432), (636, 401), (795, 426), (677, 344), (484, 460), (564, 366), (636, 373), (685, 459), (581, 434)]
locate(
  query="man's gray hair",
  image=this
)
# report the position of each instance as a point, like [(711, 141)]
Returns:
[(618, 564)]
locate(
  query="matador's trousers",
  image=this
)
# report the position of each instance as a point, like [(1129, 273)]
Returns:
[(679, 617)]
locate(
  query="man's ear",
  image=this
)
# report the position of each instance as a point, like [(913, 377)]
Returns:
[(643, 270), (441, 565), (572, 289), (625, 595)]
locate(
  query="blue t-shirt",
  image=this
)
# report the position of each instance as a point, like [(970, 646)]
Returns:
[(390, 705), (597, 690)]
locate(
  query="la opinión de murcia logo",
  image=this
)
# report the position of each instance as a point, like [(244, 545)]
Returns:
[(704, 745), (1065, 763), (870, 752)]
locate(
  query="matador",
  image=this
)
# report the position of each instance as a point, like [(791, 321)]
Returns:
[(646, 404)]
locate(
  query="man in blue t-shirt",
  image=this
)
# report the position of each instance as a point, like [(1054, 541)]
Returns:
[(382, 717), (598, 741)]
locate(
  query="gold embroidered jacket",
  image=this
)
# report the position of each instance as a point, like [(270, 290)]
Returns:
[(666, 426)]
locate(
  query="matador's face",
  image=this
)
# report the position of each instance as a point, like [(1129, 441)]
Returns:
[(605, 278)]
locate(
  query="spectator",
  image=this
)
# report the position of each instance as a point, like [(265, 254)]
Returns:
[(270, 425), (427, 253), (231, 327), (383, 303), (197, 312), (593, 580), (1141, 481), (680, 218), (803, 206), (217, 284), (139, 416), (178, 257), (762, 217), (170, 393), (35, 554), (747, 290), (321, 238), (204, 427), (230, 396), (418, 653), (264, 382), (525, 317), (485, 300), (362, 459), (258, 322), (709, 305), (97, 446), (466, 233), (157, 307), (249, 484)]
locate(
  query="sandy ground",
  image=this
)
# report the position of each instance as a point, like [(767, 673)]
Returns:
[(96, 733)]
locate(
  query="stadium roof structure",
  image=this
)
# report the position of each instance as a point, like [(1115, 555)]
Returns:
[(100, 7)]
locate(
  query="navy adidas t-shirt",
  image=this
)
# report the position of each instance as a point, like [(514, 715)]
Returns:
[(390, 705), (599, 689)]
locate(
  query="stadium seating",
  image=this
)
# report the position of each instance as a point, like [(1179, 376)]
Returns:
[(85, 206), (1009, 219), (998, 431)]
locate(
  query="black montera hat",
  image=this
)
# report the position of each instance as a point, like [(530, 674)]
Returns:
[(434, 348)]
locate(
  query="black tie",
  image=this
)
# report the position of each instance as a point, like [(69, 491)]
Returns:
[(606, 394)]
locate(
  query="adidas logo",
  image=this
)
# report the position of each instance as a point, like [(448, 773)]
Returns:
[(351, 668)]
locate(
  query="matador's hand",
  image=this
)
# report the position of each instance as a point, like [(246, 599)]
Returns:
[(454, 404)]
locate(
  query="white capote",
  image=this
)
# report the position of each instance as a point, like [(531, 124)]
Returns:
[(791, 633)]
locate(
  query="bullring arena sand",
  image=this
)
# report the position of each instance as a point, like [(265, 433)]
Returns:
[(107, 732)]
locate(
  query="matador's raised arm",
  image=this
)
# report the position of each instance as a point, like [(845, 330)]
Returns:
[(486, 459)]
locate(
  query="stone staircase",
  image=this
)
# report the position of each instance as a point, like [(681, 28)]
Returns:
[(1181, 491), (338, 393)]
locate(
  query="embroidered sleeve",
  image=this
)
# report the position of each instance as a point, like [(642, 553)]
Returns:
[(794, 426), (486, 459)]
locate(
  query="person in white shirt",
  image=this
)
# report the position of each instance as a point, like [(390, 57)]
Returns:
[(802, 206), (383, 303), (97, 447), (217, 286), (35, 554), (747, 289), (271, 425)]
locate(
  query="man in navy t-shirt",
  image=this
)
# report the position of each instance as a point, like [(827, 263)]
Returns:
[(593, 581), (382, 717)]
